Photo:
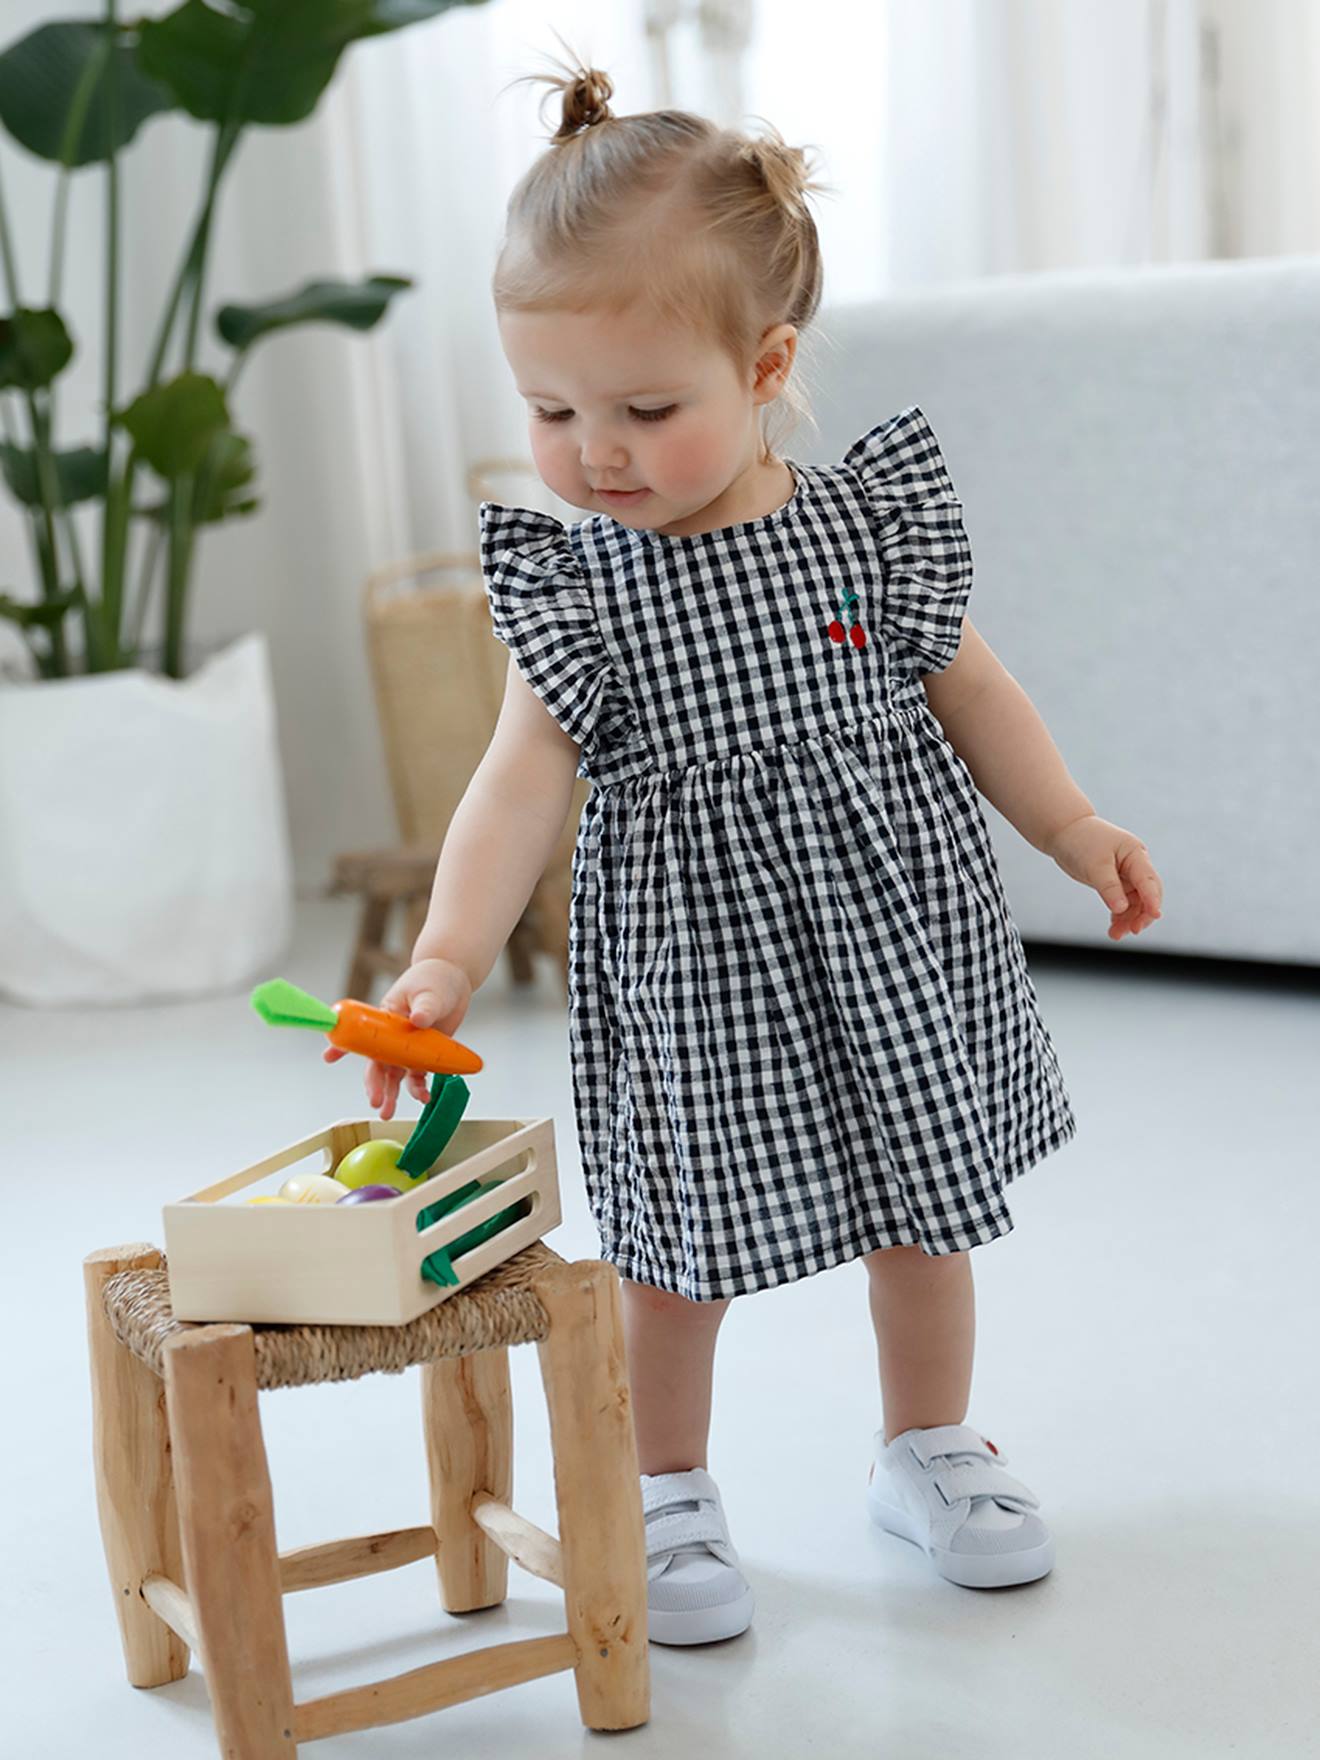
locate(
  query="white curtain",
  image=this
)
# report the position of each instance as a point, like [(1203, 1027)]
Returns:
[(990, 137), (963, 138)]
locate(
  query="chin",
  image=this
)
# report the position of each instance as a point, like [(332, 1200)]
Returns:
[(624, 516)]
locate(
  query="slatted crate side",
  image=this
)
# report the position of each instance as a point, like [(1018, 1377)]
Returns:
[(354, 1264)]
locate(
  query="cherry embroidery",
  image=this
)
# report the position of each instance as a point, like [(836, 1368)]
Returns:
[(856, 634)]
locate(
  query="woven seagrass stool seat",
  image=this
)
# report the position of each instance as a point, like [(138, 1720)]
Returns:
[(187, 1514)]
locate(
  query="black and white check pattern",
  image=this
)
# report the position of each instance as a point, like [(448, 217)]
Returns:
[(801, 1021)]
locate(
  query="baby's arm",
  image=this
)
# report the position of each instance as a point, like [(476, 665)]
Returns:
[(996, 730), (500, 838), (502, 834)]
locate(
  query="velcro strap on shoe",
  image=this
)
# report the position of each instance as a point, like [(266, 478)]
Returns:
[(948, 1439), (686, 1527), (669, 1525), (660, 1490), (982, 1479)]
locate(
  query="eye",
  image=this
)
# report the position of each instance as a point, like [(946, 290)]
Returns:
[(642, 415)]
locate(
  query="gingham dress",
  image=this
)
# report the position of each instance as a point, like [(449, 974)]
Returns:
[(801, 1021)]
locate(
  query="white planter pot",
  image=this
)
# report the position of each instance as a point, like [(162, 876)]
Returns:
[(143, 844)]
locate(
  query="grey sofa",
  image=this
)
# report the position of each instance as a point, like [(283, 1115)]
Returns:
[(1138, 455)]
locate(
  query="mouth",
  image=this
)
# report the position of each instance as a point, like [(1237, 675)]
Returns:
[(621, 497)]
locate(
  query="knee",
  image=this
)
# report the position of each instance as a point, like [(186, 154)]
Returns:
[(888, 1256), (909, 1258), (665, 1301)]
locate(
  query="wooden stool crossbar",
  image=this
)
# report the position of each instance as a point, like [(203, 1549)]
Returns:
[(187, 1514)]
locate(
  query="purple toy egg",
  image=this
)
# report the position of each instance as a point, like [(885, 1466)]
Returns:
[(367, 1194)]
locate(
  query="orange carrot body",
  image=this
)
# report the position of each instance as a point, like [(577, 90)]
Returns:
[(390, 1039)]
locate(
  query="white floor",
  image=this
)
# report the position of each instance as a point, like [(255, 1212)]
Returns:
[(1146, 1362)]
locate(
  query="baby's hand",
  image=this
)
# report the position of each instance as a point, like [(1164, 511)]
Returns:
[(1118, 865), (431, 993)]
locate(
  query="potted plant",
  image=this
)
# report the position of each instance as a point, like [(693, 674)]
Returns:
[(143, 846)]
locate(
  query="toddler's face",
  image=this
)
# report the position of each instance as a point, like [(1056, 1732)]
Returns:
[(614, 402)]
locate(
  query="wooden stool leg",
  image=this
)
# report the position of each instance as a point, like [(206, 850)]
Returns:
[(416, 911), (371, 937), (598, 1488), (521, 945), (467, 1417), (134, 1481), (227, 1523)]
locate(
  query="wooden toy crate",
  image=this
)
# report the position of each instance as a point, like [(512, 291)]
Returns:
[(357, 1264)]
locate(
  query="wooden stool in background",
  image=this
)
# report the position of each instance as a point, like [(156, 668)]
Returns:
[(187, 1515), (396, 884), (438, 676)]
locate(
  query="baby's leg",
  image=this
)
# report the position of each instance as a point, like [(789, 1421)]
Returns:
[(671, 1355), (923, 1308)]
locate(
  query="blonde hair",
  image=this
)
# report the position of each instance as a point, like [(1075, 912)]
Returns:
[(702, 226)]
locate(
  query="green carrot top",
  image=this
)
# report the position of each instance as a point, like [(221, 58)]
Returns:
[(281, 1004)]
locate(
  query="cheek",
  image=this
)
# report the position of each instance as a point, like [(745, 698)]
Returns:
[(553, 458), (690, 461)]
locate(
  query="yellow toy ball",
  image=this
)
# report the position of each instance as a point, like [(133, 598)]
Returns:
[(312, 1188), (267, 1198), (375, 1164)]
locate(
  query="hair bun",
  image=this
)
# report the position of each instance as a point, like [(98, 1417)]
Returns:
[(586, 102), (783, 170)]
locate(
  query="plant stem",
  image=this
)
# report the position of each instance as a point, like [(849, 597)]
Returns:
[(137, 620), (7, 256), (180, 555), (11, 435), (43, 415), (114, 523), (82, 98), (226, 139), (48, 556), (73, 128)]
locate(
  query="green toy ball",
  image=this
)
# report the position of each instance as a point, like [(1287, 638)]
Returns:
[(376, 1164)]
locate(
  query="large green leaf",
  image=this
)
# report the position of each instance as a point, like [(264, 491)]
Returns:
[(239, 66), (359, 18), (35, 347), (80, 474), (228, 470), (173, 424), (264, 61), (42, 79), (393, 15), (359, 304)]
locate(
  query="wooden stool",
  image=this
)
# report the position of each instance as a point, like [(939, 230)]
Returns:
[(188, 1521), (391, 880)]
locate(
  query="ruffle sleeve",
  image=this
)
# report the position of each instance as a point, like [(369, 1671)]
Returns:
[(541, 609), (925, 554)]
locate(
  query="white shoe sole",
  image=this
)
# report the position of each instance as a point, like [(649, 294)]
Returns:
[(701, 1625), (1001, 1571)]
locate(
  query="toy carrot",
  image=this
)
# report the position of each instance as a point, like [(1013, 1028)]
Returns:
[(371, 1032)]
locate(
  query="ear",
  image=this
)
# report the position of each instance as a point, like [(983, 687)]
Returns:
[(774, 362)]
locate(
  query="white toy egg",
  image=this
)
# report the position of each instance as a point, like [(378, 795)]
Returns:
[(312, 1188)]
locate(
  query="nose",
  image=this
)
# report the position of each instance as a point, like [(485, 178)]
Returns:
[(602, 451)]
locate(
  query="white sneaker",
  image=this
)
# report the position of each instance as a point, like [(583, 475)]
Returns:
[(695, 1591), (946, 1490)]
